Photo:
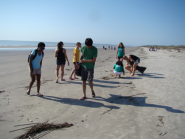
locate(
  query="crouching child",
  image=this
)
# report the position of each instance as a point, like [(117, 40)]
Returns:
[(118, 69)]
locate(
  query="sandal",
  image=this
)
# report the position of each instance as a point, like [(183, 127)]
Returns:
[(56, 81), (63, 80), (71, 79), (93, 94), (82, 98)]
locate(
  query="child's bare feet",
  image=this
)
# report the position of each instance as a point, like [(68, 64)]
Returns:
[(57, 79), (71, 78), (115, 76), (39, 94), (131, 75), (28, 92)]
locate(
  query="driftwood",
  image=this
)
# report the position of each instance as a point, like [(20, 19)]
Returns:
[(39, 127)]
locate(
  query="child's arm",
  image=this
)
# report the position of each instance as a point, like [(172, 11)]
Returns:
[(114, 67)]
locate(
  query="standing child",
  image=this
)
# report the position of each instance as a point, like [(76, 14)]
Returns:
[(35, 64), (120, 52), (118, 69), (61, 57), (89, 54), (76, 59)]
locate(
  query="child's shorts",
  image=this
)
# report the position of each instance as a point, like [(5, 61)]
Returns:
[(117, 73)]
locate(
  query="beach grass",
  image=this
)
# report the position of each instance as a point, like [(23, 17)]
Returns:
[(162, 47)]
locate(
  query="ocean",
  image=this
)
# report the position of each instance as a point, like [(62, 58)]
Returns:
[(7, 43), (34, 43)]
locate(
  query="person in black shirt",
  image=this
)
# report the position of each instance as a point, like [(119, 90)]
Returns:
[(61, 57), (129, 65), (136, 61)]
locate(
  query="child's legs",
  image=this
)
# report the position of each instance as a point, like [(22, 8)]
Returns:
[(134, 68), (74, 71), (57, 71), (32, 82), (38, 82), (62, 71)]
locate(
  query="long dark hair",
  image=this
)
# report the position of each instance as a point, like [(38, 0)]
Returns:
[(59, 45), (121, 43), (119, 63)]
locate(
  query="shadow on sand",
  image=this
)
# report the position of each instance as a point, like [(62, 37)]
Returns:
[(135, 101), (72, 101), (151, 75), (98, 85)]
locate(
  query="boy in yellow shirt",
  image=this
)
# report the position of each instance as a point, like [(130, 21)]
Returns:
[(76, 59)]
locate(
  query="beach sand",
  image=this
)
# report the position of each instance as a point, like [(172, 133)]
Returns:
[(149, 105)]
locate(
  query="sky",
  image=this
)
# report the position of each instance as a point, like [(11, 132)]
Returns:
[(133, 22)]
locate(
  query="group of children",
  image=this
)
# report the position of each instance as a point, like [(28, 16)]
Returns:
[(131, 65), (87, 71)]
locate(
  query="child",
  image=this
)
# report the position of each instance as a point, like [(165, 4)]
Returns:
[(76, 59), (129, 64), (118, 69)]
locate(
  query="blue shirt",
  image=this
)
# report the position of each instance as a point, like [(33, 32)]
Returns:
[(36, 61)]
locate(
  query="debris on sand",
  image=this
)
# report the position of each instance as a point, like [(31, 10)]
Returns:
[(161, 119), (69, 69), (105, 78), (2, 91), (39, 127)]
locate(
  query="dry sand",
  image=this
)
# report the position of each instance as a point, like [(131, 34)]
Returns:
[(141, 107)]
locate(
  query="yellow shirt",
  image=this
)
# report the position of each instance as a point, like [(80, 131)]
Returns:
[(77, 52)]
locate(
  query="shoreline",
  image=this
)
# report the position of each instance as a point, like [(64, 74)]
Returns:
[(28, 46)]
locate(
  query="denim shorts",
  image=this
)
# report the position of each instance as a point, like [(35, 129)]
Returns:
[(137, 61)]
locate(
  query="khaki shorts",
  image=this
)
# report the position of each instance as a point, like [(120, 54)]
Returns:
[(37, 71)]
